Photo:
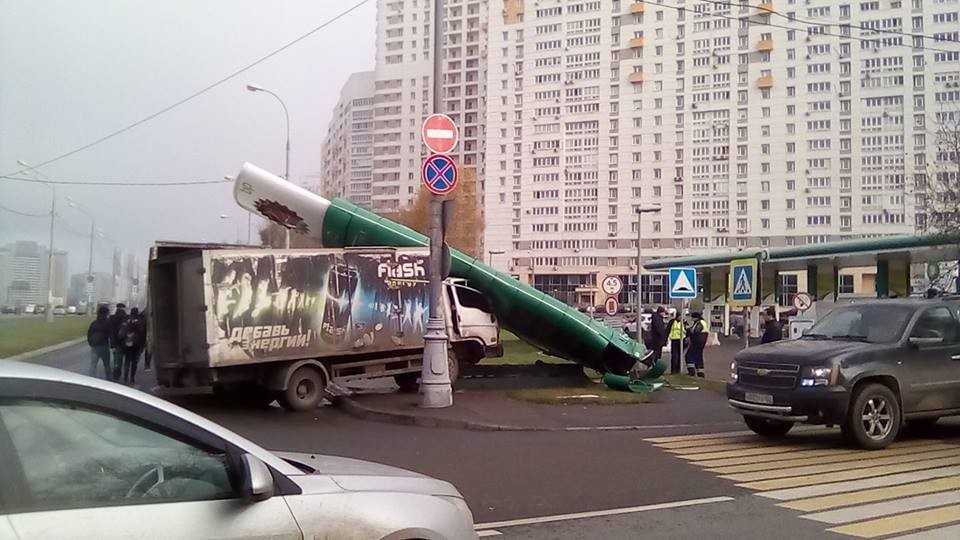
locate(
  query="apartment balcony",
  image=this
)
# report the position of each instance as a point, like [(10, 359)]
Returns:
[(765, 45), (636, 77), (765, 82), (638, 7), (765, 7), (636, 43)]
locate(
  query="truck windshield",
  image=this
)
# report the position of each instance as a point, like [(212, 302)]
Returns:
[(871, 323)]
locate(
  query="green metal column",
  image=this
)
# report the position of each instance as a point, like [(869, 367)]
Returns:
[(768, 283), (883, 279), (812, 282)]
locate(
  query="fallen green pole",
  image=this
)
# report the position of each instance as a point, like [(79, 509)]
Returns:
[(649, 382)]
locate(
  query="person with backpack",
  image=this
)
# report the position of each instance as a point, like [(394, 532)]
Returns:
[(116, 341), (98, 338), (134, 337)]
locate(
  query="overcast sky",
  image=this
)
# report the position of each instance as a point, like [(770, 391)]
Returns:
[(71, 72)]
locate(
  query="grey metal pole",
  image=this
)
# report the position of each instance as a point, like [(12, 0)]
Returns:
[(90, 267), (639, 269), (249, 225), (53, 214), (435, 388)]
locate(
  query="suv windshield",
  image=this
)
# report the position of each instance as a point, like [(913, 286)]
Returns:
[(872, 323)]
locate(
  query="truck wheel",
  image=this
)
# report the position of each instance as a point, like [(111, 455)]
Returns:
[(873, 421), (304, 390), (767, 428), (408, 382)]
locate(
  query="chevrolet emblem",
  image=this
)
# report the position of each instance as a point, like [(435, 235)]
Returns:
[(763, 372)]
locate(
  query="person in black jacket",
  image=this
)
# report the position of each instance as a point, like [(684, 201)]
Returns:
[(772, 331), (98, 338), (116, 341), (134, 338), (658, 334), (698, 333)]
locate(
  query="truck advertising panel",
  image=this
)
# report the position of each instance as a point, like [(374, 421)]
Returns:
[(297, 304)]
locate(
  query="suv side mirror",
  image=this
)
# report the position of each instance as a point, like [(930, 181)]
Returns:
[(919, 342), (257, 481)]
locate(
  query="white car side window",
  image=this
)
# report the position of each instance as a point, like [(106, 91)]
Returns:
[(76, 457)]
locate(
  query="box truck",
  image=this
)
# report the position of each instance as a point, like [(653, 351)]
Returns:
[(267, 324)]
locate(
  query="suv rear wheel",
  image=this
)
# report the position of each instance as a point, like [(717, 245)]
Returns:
[(873, 420), (767, 428)]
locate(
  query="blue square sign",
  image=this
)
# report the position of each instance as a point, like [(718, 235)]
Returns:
[(683, 283), (743, 282)]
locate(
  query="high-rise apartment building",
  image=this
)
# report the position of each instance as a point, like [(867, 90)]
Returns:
[(750, 124), (348, 147), (403, 90), (23, 275)]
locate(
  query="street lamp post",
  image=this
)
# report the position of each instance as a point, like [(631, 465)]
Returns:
[(76, 205), (249, 214), (236, 226), (653, 209), (286, 168), (491, 253), (53, 215)]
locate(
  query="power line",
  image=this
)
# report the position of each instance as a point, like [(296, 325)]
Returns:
[(828, 23), (193, 95), (121, 183), (755, 23), (24, 214)]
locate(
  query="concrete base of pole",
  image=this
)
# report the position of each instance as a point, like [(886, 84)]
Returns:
[(435, 389)]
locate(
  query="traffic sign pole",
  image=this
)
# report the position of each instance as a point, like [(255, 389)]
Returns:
[(435, 388)]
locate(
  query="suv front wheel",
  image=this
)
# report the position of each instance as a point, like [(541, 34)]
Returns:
[(873, 420)]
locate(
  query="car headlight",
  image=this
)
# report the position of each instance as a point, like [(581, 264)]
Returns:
[(818, 376), (461, 505), (733, 371)]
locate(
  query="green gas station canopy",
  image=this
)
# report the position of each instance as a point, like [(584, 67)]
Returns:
[(848, 253)]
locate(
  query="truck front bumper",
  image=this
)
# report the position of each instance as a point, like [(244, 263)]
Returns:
[(816, 405)]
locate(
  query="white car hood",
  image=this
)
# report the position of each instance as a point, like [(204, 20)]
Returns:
[(358, 475)]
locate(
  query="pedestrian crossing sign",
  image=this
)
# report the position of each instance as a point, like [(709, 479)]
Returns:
[(683, 283), (743, 282)]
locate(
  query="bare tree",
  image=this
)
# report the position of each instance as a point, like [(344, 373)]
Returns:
[(940, 201), (466, 230)]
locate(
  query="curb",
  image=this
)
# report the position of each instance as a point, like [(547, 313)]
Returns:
[(355, 409), (51, 348)]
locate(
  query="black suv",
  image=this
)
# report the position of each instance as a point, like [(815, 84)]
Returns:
[(867, 367)]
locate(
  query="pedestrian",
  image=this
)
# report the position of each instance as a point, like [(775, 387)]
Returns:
[(772, 331), (134, 337), (98, 338), (676, 335), (699, 332), (658, 334), (146, 341), (116, 341)]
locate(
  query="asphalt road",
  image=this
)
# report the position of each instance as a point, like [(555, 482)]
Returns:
[(509, 476)]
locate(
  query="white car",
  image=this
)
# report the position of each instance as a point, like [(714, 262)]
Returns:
[(89, 459)]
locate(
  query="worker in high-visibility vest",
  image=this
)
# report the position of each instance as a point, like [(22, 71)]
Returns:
[(699, 332), (676, 333)]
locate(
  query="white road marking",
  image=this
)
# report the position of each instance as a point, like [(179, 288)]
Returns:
[(489, 532), (856, 485), (875, 510), (435, 133), (600, 513), (945, 533)]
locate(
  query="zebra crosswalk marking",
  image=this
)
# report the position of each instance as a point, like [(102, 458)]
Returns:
[(901, 522), (873, 495), (911, 488), (864, 463), (822, 460)]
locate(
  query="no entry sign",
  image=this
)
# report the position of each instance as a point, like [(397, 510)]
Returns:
[(440, 174), (440, 134)]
